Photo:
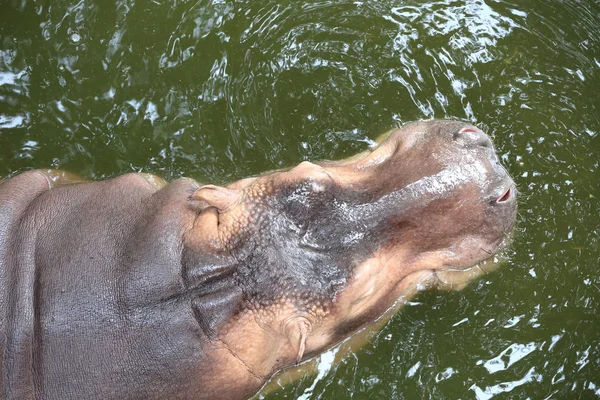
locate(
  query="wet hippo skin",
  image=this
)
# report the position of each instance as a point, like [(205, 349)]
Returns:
[(132, 288)]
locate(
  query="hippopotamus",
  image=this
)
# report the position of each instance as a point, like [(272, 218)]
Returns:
[(134, 288)]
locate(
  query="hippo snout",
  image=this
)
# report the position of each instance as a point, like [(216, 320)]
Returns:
[(503, 192)]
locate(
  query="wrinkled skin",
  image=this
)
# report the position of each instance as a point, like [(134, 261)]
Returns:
[(133, 288)]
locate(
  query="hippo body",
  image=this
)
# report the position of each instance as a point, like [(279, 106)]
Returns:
[(101, 309), (132, 288)]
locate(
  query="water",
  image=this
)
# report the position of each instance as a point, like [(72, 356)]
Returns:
[(225, 89)]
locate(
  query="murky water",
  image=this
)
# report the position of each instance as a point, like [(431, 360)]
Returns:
[(224, 89)]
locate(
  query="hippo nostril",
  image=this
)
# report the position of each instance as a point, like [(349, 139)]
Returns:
[(473, 136), (505, 197)]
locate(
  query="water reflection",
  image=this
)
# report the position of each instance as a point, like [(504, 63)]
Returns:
[(507, 357), (505, 387)]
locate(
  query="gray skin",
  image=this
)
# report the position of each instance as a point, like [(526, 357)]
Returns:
[(132, 288)]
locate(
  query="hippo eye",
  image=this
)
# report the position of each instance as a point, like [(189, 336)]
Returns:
[(300, 194), (301, 203), (296, 202)]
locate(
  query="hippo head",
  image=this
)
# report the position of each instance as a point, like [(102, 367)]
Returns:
[(309, 255)]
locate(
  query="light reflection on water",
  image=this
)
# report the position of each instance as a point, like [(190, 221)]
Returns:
[(218, 90)]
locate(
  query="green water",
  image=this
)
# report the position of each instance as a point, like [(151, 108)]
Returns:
[(225, 89)]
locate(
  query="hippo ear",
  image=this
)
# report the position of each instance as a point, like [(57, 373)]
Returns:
[(217, 196), (297, 333)]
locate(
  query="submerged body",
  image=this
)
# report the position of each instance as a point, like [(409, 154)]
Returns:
[(134, 288)]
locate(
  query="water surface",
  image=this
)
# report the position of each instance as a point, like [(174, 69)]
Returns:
[(218, 90)]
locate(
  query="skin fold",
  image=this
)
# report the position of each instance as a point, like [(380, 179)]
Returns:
[(134, 288)]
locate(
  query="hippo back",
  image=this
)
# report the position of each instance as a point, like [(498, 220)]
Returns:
[(16, 309), (93, 301)]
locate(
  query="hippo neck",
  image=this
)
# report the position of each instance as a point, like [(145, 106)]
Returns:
[(226, 308)]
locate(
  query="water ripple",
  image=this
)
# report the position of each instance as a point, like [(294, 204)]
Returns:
[(221, 89)]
